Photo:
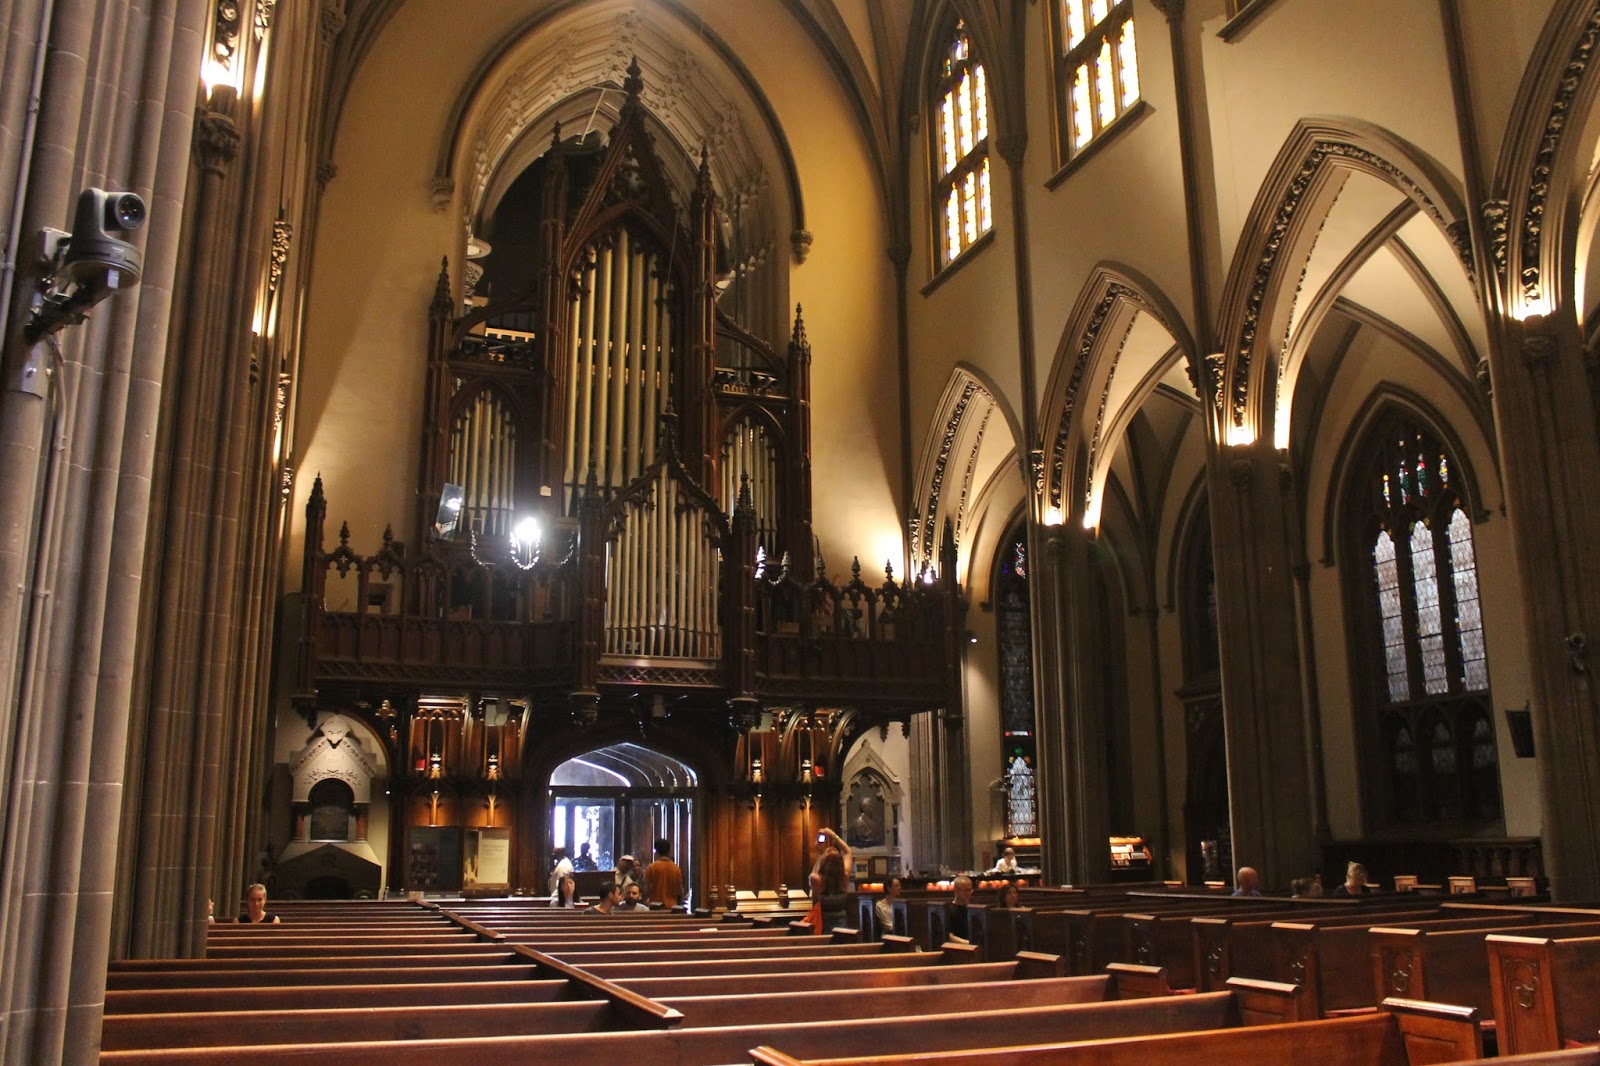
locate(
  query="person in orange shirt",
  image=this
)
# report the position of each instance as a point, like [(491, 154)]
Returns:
[(663, 880)]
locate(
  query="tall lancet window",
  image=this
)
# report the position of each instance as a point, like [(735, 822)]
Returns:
[(1433, 757), (961, 202), (1014, 639), (1097, 68)]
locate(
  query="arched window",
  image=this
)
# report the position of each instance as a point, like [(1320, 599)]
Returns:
[(961, 204), (1014, 639), (1097, 68), (1433, 761)]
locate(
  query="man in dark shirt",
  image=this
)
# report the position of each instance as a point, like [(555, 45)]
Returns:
[(958, 926)]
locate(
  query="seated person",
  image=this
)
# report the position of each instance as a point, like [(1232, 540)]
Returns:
[(1355, 881), (610, 899), (959, 928), (632, 898), (884, 908), (255, 906), (1247, 882)]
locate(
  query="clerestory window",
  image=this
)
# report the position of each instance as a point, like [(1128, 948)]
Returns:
[(961, 200), (1097, 68)]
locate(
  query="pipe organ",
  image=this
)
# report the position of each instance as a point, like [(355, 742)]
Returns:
[(662, 446), (483, 461), (620, 363)]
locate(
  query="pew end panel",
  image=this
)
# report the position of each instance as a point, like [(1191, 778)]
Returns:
[(1134, 981), (1033, 964), (1543, 990), (1270, 1002), (1436, 1032)]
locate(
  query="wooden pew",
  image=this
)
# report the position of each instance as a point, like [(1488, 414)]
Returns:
[(1544, 989), (1450, 965), (197, 976), (622, 971), (1334, 963), (306, 997), (1406, 1033), (930, 970), (1242, 945), (918, 1034), (1092, 937)]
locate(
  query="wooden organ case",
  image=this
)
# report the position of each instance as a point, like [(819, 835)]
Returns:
[(673, 595)]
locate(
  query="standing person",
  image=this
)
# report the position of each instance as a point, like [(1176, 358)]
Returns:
[(1247, 882), (884, 908), (562, 868), (1007, 863), (255, 907), (827, 839), (627, 872), (585, 862), (831, 890), (663, 880)]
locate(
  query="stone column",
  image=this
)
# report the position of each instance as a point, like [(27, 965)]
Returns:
[(1262, 691), (78, 450), (1069, 719), (1550, 459)]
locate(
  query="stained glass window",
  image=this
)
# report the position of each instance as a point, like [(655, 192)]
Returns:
[(1015, 644), (1427, 628), (961, 155), (1098, 67)]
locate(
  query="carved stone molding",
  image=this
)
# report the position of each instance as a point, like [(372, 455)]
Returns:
[(1496, 224), (800, 244), (1283, 220), (265, 9), (1555, 126), (282, 235), (1080, 366), (216, 141), (332, 22), (947, 442), (225, 33)]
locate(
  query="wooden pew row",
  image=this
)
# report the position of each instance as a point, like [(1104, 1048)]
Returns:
[(796, 952), (1406, 1033), (1452, 966), (444, 1022), (1334, 962), (1092, 937), (623, 971), (1582, 1056), (917, 1034), (198, 976), (468, 955), (308, 997), (928, 969), (1163, 939), (1546, 991), (1244, 946)]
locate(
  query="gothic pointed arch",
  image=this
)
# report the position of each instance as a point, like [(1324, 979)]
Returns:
[(1387, 403), (1533, 222), (1073, 423), (1279, 234), (971, 435)]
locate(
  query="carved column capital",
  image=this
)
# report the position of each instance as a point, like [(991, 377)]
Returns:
[(1012, 147), (442, 190), (1171, 9), (327, 170), (800, 244), (1240, 472), (1537, 345), (899, 254), (216, 140)]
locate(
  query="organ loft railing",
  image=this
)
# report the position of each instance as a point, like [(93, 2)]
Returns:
[(659, 448)]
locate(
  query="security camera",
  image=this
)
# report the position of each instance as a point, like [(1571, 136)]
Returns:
[(94, 256), (80, 269)]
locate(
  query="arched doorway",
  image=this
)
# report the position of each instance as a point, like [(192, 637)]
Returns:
[(619, 800)]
